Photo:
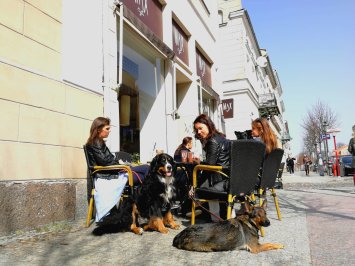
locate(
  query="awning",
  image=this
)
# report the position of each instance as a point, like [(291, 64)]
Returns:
[(148, 33)]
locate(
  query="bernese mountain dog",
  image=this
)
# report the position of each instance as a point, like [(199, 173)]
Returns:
[(152, 202)]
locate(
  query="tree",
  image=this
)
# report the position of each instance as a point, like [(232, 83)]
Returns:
[(317, 120)]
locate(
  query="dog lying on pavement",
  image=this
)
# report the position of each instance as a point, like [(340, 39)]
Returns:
[(241, 232)]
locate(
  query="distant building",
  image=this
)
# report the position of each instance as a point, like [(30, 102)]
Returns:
[(251, 87)]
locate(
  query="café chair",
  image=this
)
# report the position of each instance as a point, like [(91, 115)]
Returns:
[(92, 170), (271, 166), (246, 159), (270, 172)]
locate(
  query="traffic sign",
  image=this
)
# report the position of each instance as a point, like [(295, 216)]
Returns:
[(325, 136)]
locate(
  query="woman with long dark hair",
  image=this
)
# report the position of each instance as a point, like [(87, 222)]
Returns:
[(109, 186), (217, 152)]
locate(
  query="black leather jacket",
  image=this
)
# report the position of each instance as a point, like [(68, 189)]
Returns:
[(99, 154), (217, 151)]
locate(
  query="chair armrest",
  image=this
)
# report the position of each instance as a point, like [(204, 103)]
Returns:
[(125, 168), (215, 168)]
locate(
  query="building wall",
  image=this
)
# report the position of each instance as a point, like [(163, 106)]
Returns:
[(58, 73), (44, 120)]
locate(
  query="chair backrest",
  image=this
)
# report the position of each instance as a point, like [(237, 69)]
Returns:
[(246, 160), (271, 168), (89, 183), (281, 170)]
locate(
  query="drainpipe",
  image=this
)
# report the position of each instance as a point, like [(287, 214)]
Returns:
[(120, 46)]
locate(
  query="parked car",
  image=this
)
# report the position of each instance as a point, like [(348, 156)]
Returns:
[(345, 165)]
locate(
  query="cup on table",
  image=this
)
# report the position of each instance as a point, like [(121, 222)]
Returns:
[(190, 157), (184, 156)]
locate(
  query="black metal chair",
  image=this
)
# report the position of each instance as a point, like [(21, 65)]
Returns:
[(246, 160), (92, 171), (278, 182), (270, 172)]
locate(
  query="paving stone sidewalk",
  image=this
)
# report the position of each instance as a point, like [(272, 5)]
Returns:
[(77, 246)]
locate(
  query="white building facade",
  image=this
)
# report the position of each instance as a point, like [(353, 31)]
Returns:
[(251, 87)]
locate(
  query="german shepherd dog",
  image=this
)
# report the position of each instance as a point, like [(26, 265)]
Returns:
[(152, 202), (236, 233)]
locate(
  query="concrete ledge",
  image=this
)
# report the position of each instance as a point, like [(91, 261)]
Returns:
[(27, 205)]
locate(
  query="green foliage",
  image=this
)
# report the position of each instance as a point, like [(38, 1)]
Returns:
[(136, 158)]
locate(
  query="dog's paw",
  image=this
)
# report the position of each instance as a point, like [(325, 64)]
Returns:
[(164, 230), (175, 227), (137, 230), (279, 246)]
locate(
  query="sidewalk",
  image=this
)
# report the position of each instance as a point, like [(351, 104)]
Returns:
[(307, 230), (314, 180)]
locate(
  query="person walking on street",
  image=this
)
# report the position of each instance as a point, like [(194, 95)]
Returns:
[(306, 162), (290, 161), (351, 149)]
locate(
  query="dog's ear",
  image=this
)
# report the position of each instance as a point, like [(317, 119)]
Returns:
[(264, 205), (153, 164), (247, 207)]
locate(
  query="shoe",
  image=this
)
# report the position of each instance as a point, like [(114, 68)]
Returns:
[(175, 205), (197, 212)]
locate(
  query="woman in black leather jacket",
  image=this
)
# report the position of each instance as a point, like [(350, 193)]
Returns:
[(217, 152), (99, 153)]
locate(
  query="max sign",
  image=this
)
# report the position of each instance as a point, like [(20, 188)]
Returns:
[(227, 107)]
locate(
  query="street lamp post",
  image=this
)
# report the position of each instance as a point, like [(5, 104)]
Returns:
[(324, 125)]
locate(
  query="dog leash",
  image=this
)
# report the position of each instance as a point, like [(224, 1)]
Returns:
[(207, 210), (137, 175)]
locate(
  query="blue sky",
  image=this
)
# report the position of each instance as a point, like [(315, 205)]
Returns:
[(311, 44)]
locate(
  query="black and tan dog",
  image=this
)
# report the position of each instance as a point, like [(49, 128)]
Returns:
[(152, 202), (243, 134), (237, 233)]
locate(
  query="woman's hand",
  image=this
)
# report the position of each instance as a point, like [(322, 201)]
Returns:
[(191, 192)]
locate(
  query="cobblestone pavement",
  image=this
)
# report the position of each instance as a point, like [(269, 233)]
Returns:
[(317, 228)]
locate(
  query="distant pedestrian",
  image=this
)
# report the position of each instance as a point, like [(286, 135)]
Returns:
[(290, 162), (306, 162), (351, 148)]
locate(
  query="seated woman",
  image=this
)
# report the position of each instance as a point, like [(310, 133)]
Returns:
[(217, 152), (108, 187), (186, 145), (182, 177), (260, 130)]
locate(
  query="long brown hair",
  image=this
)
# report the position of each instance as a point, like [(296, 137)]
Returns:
[(96, 127), (266, 133), (204, 119)]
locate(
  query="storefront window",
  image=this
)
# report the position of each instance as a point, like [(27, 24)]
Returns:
[(129, 115)]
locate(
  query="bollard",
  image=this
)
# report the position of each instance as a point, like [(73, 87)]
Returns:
[(334, 170)]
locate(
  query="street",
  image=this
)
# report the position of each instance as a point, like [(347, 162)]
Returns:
[(317, 228)]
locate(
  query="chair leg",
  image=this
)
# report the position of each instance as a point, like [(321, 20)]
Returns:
[(260, 196), (273, 193), (252, 197), (230, 205), (193, 213), (91, 208)]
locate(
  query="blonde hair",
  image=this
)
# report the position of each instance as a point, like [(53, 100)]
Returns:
[(266, 133)]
